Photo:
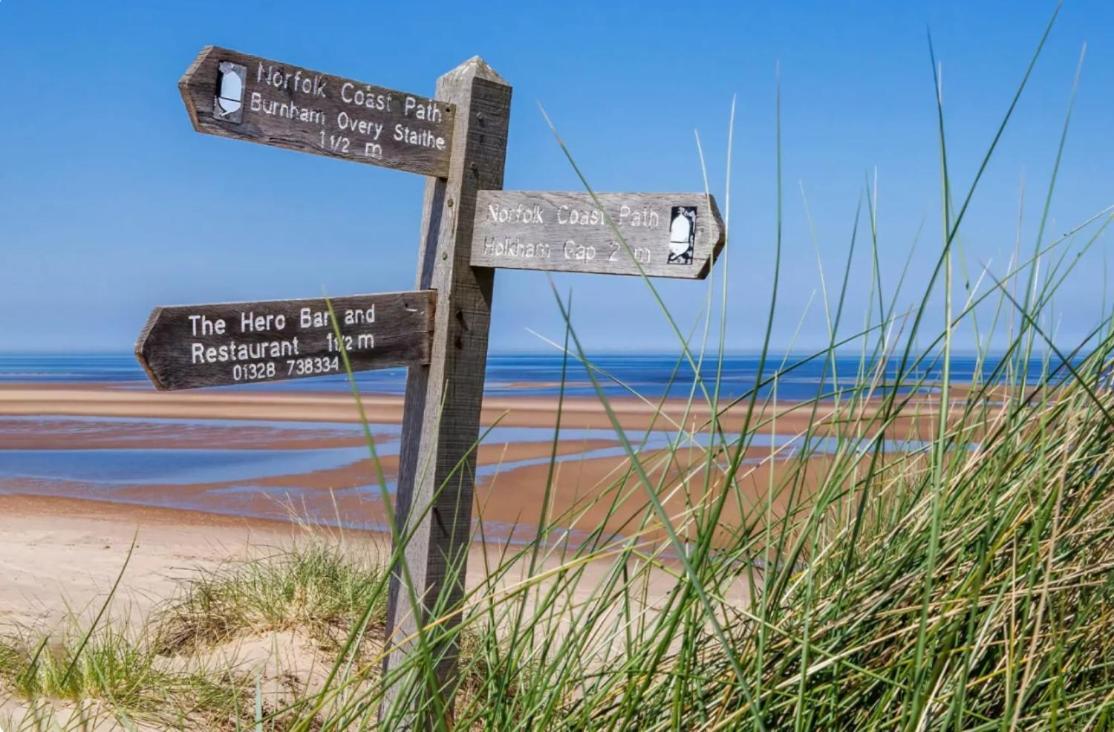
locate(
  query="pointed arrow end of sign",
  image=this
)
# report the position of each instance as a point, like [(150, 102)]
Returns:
[(188, 84), (141, 348), (719, 233), (719, 236)]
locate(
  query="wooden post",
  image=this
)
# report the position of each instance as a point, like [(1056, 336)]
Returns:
[(441, 422)]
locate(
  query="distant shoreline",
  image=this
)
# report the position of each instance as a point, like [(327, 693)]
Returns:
[(542, 375)]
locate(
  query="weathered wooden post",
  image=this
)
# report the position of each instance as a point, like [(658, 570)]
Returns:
[(442, 413)]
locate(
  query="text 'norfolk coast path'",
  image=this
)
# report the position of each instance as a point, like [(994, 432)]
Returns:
[(232, 94), (653, 234)]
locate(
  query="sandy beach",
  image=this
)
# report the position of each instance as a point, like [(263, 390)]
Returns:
[(205, 480), (78, 526)]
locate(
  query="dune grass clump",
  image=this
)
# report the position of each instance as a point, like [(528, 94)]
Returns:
[(115, 673), (313, 587), (112, 672), (106, 664)]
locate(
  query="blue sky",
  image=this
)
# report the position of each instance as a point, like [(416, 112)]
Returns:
[(110, 204)]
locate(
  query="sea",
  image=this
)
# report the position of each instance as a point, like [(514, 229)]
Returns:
[(793, 377)]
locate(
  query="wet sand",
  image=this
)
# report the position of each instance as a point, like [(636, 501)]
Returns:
[(61, 433), (348, 492), (588, 488), (104, 400)]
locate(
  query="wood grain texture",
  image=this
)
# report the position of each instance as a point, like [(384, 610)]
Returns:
[(185, 347), (441, 422), (300, 109), (568, 232)]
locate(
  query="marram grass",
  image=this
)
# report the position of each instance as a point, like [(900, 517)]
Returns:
[(964, 584)]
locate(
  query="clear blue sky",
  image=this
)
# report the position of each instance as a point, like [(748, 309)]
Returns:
[(110, 204)]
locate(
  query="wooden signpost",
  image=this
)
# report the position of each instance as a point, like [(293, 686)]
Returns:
[(656, 234), (469, 227), (239, 343)]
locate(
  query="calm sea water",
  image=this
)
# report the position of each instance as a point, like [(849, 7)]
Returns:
[(650, 376)]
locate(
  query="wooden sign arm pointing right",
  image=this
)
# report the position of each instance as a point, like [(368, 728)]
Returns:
[(442, 414)]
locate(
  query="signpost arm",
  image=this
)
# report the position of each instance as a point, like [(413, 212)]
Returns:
[(442, 414)]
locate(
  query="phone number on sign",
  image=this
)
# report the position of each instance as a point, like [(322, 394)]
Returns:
[(309, 366)]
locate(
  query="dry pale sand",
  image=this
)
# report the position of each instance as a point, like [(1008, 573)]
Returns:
[(61, 554), (59, 557)]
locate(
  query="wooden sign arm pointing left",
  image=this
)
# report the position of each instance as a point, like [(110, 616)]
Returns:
[(190, 346), (245, 97)]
